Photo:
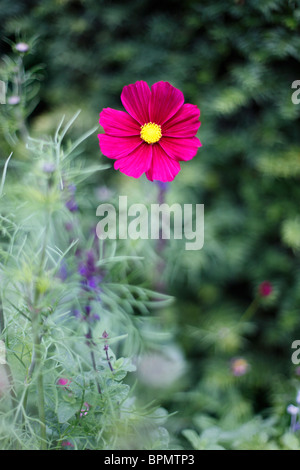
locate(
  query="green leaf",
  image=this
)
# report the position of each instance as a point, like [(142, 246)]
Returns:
[(290, 441), (66, 411), (193, 438)]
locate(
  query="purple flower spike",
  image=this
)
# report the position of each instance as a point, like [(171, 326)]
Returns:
[(76, 313), (72, 205), (92, 283), (90, 272), (87, 309)]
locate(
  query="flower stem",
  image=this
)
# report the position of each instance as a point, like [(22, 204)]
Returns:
[(161, 243), (250, 310), (19, 81), (36, 363), (39, 378), (6, 365), (90, 344)]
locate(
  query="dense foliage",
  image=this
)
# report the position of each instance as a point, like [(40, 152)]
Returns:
[(191, 334)]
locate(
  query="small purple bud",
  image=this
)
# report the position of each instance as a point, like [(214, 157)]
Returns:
[(87, 309), (82, 270), (104, 334), (93, 318), (63, 272), (72, 188), (68, 226), (72, 205), (92, 283), (76, 313), (49, 167)]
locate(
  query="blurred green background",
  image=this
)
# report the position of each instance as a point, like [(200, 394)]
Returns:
[(236, 60)]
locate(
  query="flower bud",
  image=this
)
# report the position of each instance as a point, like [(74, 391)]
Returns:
[(265, 288)]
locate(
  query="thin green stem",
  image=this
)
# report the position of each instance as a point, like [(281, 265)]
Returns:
[(20, 91), (250, 310), (90, 342), (161, 244), (39, 377), (6, 365), (36, 362)]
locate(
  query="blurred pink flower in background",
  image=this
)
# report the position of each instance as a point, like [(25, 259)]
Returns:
[(85, 409), (67, 445), (265, 289), (157, 132), (63, 382), (239, 366)]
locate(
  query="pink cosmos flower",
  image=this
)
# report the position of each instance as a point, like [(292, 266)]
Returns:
[(157, 132)]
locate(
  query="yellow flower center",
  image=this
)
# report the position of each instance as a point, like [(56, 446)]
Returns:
[(150, 132)]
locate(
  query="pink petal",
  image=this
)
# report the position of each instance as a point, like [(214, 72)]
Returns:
[(118, 123), (180, 149), (185, 123), (118, 147), (162, 168), (135, 99), (165, 101), (137, 162)]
